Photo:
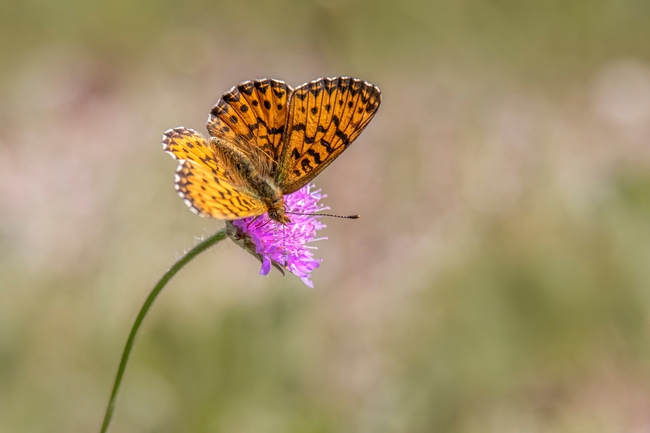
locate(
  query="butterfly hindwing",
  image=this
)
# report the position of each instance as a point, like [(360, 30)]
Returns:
[(203, 181), (325, 116), (211, 195), (253, 112)]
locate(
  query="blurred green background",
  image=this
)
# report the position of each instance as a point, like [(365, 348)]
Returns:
[(498, 281)]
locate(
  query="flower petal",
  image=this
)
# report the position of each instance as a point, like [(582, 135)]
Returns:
[(266, 266)]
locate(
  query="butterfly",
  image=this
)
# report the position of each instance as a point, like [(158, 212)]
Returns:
[(267, 140)]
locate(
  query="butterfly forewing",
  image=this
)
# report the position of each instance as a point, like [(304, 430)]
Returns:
[(183, 143), (325, 116), (204, 182), (252, 112)]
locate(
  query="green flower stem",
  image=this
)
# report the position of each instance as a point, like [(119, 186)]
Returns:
[(191, 254)]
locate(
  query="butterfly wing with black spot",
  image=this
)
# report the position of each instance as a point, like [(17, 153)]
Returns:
[(212, 196), (325, 117), (252, 112), (203, 183), (184, 143)]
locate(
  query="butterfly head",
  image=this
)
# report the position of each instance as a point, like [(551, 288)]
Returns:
[(277, 211), (279, 215)]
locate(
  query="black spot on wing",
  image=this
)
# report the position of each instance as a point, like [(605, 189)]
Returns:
[(246, 88), (315, 87), (315, 155), (219, 109), (262, 87), (343, 137), (306, 165), (230, 97), (327, 145)]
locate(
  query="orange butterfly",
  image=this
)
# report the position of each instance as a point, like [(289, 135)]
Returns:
[(267, 140)]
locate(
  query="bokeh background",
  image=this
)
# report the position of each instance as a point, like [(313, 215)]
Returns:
[(498, 281)]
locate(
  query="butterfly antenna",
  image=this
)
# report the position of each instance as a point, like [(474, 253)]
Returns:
[(349, 217), (284, 243)]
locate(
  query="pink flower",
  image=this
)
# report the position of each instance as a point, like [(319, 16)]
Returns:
[(284, 247)]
